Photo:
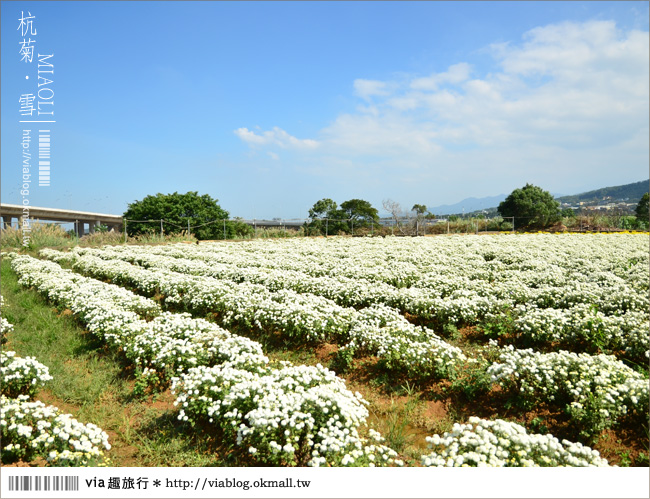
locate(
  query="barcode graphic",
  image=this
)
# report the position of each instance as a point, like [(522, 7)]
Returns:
[(44, 158), (27, 483)]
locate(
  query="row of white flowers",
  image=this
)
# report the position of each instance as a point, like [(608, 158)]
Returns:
[(460, 304), (502, 443), (378, 330), (381, 331), (294, 415), (596, 389), (34, 429), (29, 429), (175, 343), (530, 259), (551, 284), (586, 325)]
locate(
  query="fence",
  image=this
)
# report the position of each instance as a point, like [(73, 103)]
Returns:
[(397, 226)]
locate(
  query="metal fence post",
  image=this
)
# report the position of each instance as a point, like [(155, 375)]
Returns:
[(161, 228), (224, 229)]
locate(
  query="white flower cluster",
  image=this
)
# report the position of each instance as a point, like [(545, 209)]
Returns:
[(501, 443), (31, 429), (383, 332), (5, 326), (295, 415), (597, 389), (175, 343), (21, 376)]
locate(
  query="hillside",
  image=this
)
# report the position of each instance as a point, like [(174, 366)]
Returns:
[(469, 205), (629, 192)]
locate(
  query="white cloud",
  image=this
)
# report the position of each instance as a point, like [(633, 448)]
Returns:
[(369, 88), (566, 100), (456, 73), (381, 135), (277, 137)]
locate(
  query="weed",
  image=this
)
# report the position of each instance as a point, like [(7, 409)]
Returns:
[(450, 331), (343, 360), (41, 236), (400, 419), (499, 325), (537, 426), (473, 381), (625, 460), (642, 460)]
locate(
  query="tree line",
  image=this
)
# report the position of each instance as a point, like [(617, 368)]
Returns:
[(530, 207)]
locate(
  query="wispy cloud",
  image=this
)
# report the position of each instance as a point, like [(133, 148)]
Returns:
[(456, 73), (277, 137), (369, 88)]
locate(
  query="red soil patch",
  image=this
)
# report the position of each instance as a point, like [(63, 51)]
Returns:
[(39, 462), (435, 409), (326, 352), (65, 313), (622, 447)]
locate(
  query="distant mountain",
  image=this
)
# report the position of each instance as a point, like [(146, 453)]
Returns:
[(630, 193), (468, 205)]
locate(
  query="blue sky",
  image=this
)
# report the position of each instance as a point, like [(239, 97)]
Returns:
[(271, 106)]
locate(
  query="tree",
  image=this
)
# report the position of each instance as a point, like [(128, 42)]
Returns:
[(322, 209), (360, 213), (643, 209), (327, 218), (419, 210), (321, 214), (531, 206), (176, 210), (394, 208), (568, 213)]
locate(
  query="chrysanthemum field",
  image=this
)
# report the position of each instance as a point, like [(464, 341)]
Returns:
[(491, 350)]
